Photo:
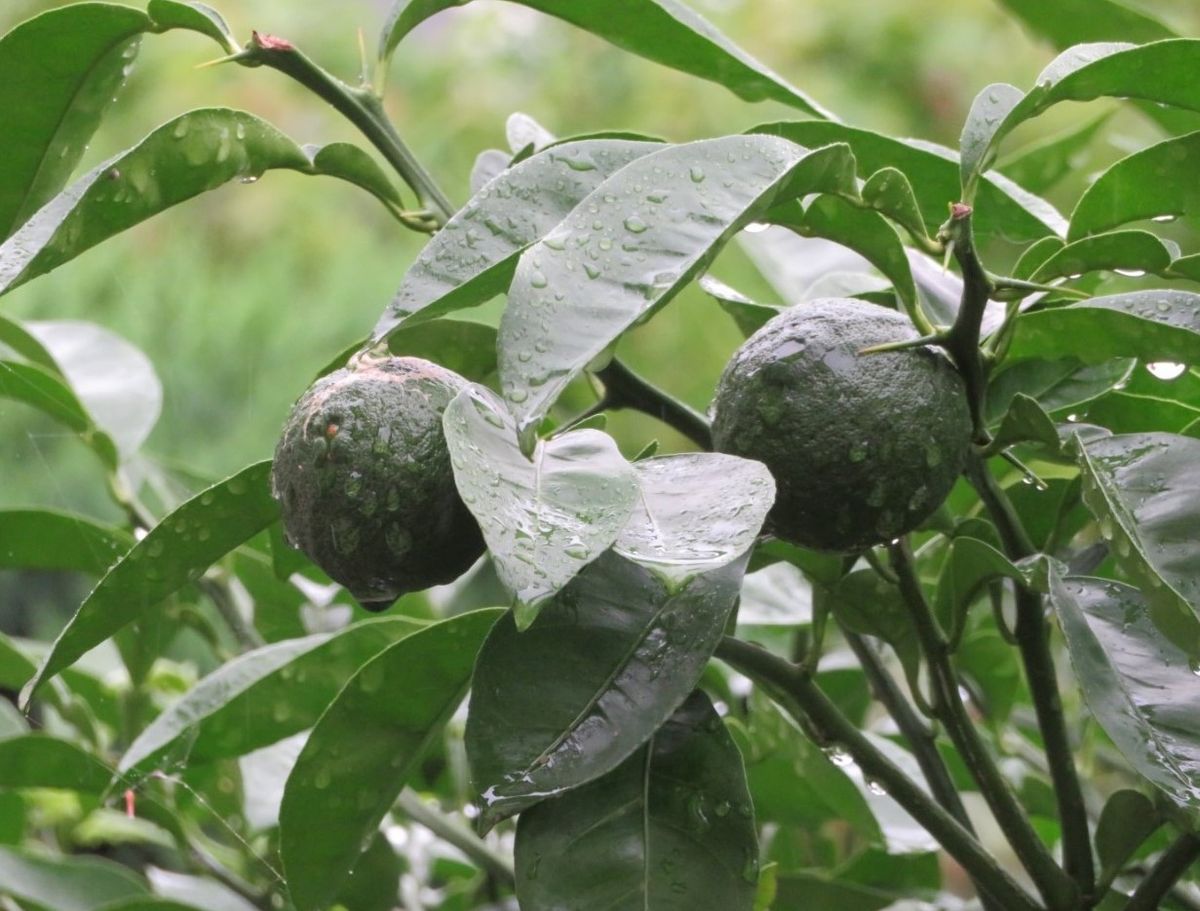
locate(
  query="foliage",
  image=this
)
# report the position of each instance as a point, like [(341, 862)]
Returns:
[(680, 709)]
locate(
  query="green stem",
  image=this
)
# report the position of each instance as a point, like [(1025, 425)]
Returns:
[(625, 389), (1033, 642), (360, 106), (1165, 873), (962, 339), (1004, 283), (455, 833), (1056, 888), (802, 698)]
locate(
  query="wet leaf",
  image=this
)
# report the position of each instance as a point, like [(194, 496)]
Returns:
[(1144, 490), (65, 883), (348, 162), (969, 564), (672, 827), (624, 651), (45, 391), (59, 73), (543, 518), (665, 31), (194, 17), (473, 257), (175, 552), (631, 246), (1025, 421), (888, 192), (1139, 686), (1040, 166), (1127, 820), (749, 315), (696, 512), (50, 540), (976, 151), (1128, 252), (364, 748), (1055, 384), (262, 696), (489, 164)]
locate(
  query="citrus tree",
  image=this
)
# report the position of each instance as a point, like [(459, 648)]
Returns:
[(914, 622)]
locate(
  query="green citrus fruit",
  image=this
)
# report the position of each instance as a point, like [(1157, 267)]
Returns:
[(863, 447), (363, 476)]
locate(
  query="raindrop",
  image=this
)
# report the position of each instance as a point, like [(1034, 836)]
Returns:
[(1166, 370), (756, 227), (1164, 219), (1073, 418), (181, 128), (838, 755), (250, 178), (538, 280), (876, 788), (635, 225), (517, 395), (1131, 273), (322, 779)]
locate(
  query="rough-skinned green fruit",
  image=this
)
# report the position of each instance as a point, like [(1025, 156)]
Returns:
[(364, 479), (863, 447)]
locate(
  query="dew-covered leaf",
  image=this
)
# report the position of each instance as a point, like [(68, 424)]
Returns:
[(631, 246), (1153, 325), (1150, 183), (888, 192), (194, 17), (175, 552), (1144, 490), (473, 257), (65, 883), (489, 164), (1127, 252), (348, 162), (48, 392), (544, 518), (365, 746), (262, 696), (1025, 421), (695, 512), (1139, 686), (671, 827), (987, 113), (664, 31), (50, 540), (59, 73), (1002, 207), (623, 649)]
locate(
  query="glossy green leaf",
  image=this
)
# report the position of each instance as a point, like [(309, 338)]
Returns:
[(469, 349), (348, 162), (15, 339), (1036, 254), (65, 883), (489, 164), (39, 761), (1002, 207), (624, 651), (1025, 421), (1151, 183), (696, 513), (969, 564), (374, 882), (630, 247), (49, 540), (175, 552), (665, 31), (59, 73), (1127, 820), (1067, 22), (543, 518), (672, 827), (888, 192), (862, 230), (262, 696), (1127, 252), (365, 746), (988, 111), (749, 315), (194, 17), (1055, 384), (1040, 166), (1153, 325), (776, 595), (1139, 686), (114, 380), (1144, 490), (473, 257), (193, 153), (45, 391)]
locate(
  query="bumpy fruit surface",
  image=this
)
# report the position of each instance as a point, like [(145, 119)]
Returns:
[(363, 476), (863, 447)]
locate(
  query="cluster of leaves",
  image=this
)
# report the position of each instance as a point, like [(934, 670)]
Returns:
[(644, 773)]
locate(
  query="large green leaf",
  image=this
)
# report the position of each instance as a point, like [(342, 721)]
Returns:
[(672, 827), (1144, 489), (1153, 325), (1128, 252), (65, 883), (631, 246), (623, 650), (48, 392), (665, 31), (365, 746), (1003, 208), (44, 539), (38, 761), (1151, 183), (262, 696), (696, 512), (194, 17), (175, 552), (1139, 686), (1127, 820), (193, 153), (544, 518), (1039, 167), (1054, 384), (59, 72), (473, 257), (1067, 22)]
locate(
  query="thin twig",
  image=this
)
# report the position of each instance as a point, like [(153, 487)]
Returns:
[(1165, 873)]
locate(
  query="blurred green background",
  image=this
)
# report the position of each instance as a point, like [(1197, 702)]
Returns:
[(240, 296)]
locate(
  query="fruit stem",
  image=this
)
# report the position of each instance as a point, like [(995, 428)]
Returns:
[(625, 389), (360, 106), (962, 339), (1055, 887), (800, 697), (1033, 642)]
